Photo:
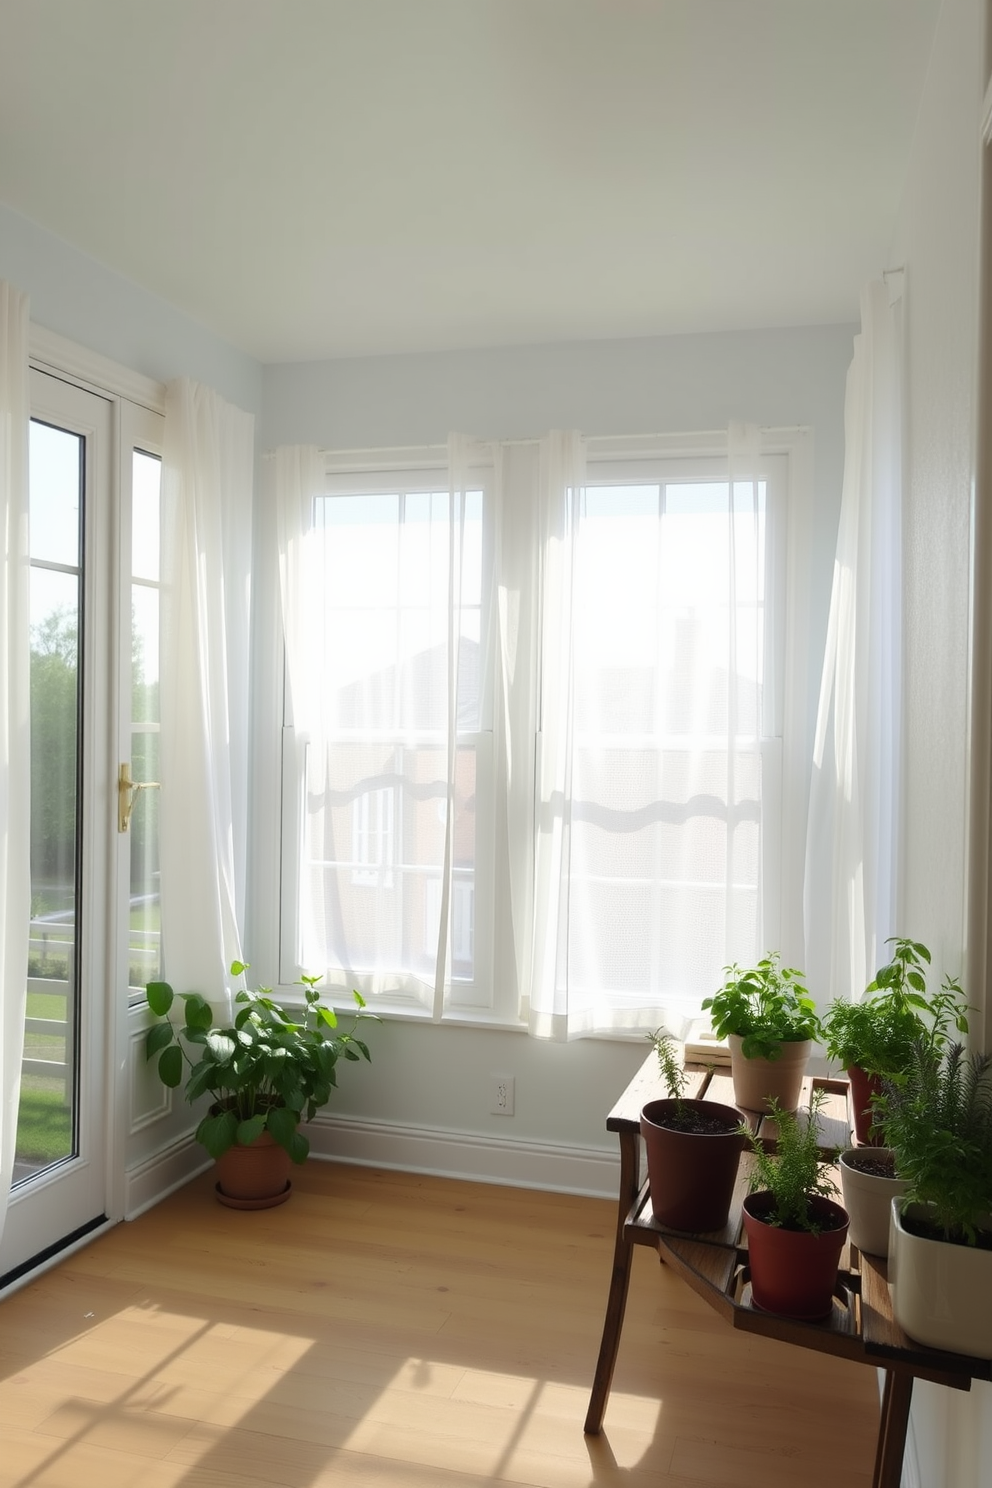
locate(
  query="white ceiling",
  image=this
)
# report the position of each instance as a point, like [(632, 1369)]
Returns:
[(325, 178)]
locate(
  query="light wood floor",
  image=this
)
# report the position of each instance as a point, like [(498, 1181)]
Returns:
[(383, 1330)]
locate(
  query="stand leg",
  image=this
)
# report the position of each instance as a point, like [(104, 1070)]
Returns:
[(619, 1283), (894, 1420)]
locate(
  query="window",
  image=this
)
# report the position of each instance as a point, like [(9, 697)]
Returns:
[(661, 682), (674, 737), (398, 570)]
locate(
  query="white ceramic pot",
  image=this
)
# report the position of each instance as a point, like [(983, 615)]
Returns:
[(868, 1198), (756, 1081), (941, 1293)]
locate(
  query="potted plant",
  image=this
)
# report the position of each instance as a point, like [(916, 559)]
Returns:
[(795, 1231), (874, 1038), (769, 1021), (693, 1150), (868, 1184), (938, 1120), (266, 1073)]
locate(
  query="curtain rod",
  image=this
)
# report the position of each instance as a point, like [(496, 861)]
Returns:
[(591, 439)]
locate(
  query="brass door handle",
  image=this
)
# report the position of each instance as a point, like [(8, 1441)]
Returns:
[(127, 794)]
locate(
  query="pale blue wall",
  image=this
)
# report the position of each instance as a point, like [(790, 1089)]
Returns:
[(101, 310)]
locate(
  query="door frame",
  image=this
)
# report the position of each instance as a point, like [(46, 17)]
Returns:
[(132, 397)]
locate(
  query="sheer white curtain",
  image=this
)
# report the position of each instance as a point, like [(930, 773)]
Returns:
[(298, 473), (850, 888), (546, 1005), (468, 684), (15, 789), (385, 603), (647, 876), (207, 466)]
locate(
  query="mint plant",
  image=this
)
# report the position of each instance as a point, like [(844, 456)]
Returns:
[(767, 1005)]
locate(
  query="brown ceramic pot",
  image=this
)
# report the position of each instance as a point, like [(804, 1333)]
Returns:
[(256, 1176), (691, 1173), (757, 1081)]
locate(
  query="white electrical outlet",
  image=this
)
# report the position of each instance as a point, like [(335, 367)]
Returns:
[(501, 1103)]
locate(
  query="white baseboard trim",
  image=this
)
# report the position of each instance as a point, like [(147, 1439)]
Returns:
[(161, 1174), (591, 1171), (557, 1167)]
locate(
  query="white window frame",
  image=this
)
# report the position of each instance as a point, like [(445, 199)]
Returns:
[(786, 747)]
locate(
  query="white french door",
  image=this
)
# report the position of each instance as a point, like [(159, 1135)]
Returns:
[(94, 662)]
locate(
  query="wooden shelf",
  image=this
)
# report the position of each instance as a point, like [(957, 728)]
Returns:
[(860, 1327)]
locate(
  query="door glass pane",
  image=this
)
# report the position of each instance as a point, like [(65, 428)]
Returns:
[(46, 1117), (144, 959)]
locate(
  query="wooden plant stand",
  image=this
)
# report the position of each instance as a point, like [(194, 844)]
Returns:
[(861, 1326)]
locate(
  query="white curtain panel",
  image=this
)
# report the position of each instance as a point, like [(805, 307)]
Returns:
[(547, 1007), (384, 622), (852, 849), (517, 469), (752, 735), (299, 473), (15, 756), (299, 479), (208, 453), (468, 685), (648, 838)]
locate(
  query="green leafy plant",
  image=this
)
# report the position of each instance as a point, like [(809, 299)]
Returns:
[(879, 1033), (268, 1071), (767, 1006), (797, 1171), (938, 1121)]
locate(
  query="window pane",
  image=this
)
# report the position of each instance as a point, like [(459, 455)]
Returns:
[(45, 1129), (375, 789), (144, 942), (144, 960), (56, 457), (146, 476), (664, 850)]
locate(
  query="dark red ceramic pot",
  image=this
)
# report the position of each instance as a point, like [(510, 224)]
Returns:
[(863, 1087), (692, 1173), (793, 1273)]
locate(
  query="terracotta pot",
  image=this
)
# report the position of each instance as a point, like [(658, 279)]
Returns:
[(255, 1176), (691, 1174), (863, 1087), (941, 1293), (868, 1198), (756, 1081), (794, 1273)]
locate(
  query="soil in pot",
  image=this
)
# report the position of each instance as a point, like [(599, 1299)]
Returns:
[(793, 1273), (692, 1162), (863, 1087), (757, 1081), (916, 1222), (258, 1174)]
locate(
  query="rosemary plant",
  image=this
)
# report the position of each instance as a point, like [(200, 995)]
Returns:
[(798, 1171)]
